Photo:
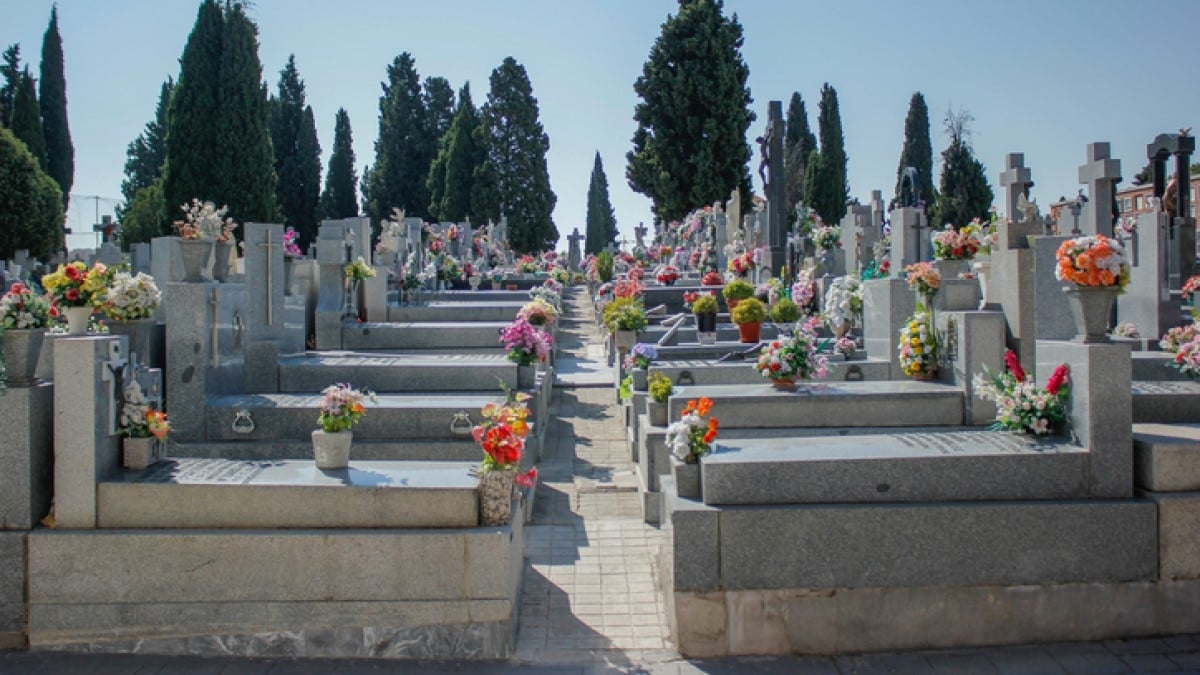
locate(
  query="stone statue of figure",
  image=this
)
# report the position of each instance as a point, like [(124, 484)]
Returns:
[(1170, 198), (1028, 209), (764, 152)]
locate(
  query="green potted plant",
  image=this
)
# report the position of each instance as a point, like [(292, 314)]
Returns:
[(785, 311), (659, 390), (704, 306), (749, 315), (604, 266), (625, 317), (735, 291)]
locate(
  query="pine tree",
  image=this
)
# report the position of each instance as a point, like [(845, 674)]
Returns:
[(965, 192), (31, 210), (193, 140), (601, 222), (297, 154), (829, 190), (27, 119), (452, 176), (340, 199), (60, 153), (690, 147), (144, 157), (917, 151), (516, 150), (799, 142), (10, 70), (397, 180), (248, 164)]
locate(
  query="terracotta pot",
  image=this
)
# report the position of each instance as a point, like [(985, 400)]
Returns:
[(750, 332), (731, 303), (783, 382)]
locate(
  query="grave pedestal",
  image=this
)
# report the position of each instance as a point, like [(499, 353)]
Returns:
[(972, 340), (887, 304), (26, 455)]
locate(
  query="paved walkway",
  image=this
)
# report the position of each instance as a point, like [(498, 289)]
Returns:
[(589, 604)]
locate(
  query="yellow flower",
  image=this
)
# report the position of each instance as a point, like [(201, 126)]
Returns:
[(53, 280)]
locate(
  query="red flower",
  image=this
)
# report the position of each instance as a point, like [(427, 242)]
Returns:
[(527, 479), (1057, 379), (1014, 365), (73, 273), (72, 294)]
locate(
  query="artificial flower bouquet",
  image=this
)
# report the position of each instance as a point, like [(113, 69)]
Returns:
[(1176, 337), (642, 354), (1184, 343), (139, 419), (827, 237), (22, 309), (667, 275), (712, 278), (1094, 261), (203, 221), (501, 435), (538, 312), (342, 407), (952, 244), (359, 270), (741, 265), (919, 346), (794, 357), (130, 297), (843, 301), (692, 436), (923, 278), (525, 344), (291, 246), (846, 346), (76, 285), (1020, 404)]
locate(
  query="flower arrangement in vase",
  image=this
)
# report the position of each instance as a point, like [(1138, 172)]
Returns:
[(803, 291), (526, 345), (741, 265), (1093, 261), (712, 278), (291, 246), (919, 346), (22, 309), (642, 355), (130, 297), (341, 408), (843, 303), (794, 357), (359, 270), (548, 294), (203, 221), (667, 275), (692, 436), (143, 427), (827, 237), (952, 244), (76, 289), (24, 316), (924, 279), (501, 435), (1020, 404), (1176, 337), (624, 314), (1190, 287), (538, 312)]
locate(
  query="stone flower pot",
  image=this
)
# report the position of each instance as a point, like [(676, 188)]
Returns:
[(657, 412), (526, 376), (639, 378), (687, 478), (495, 497), (625, 340), (139, 453), (195, 255), (22, 348), (331, 449), (1091, 307), (77, 319), (221, 260)]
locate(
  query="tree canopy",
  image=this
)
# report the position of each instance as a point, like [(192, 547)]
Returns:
[(297, 154), (340, 199), (52, 95), (601, 222), (965, 192)]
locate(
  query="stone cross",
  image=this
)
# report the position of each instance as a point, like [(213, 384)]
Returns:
[(910, 238), (1016, 180), (573, 253), (1100, 174), (640, 233), (269, 244), (878, 211)]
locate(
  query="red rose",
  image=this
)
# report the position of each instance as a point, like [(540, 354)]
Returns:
[(72, 273), (72, 295)]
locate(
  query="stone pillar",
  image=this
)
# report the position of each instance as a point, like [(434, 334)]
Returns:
[(332, 252), (776, 189), (264, 306), (27, 455), (1101, 174), (970, 341), (910, 238), (189, 317), (887, 304)]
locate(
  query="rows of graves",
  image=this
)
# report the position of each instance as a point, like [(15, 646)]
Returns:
[(224, 536), (871, 504)]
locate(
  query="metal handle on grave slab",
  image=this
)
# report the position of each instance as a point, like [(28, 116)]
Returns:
[(461, 424)]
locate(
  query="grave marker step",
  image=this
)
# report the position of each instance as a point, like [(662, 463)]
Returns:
[(1167, 457), (396, 371), (1166, 402), (445, 335)]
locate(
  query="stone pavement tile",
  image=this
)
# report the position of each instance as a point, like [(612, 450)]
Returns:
[(1189, 660), (1031, 660), (1093, 663), (960, 663), (1137, 646), (1150, 663), (883, 664), (757, 665), (1182, 643)]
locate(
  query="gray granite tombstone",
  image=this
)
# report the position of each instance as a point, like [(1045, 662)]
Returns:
[(1101, 174), (264, 306), (859, 235), (166, 263), (139, 258), (1147, 300), (574, 254), (333, 252), (109, 254), (910, 238), (775, 188), (1016, 180)]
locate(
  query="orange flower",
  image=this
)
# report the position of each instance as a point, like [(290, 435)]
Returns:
[(705, 406), (710, 435)]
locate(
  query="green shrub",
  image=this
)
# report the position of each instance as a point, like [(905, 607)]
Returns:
[(624, 314), (785, 311), (705, 304), (749, 310), (737, 289), (659, 387), (604, 266)]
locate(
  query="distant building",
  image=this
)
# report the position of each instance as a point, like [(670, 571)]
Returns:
[(1130, 201)]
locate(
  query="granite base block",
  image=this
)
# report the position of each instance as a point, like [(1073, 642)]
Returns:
[(12, 589), (1178, 534), (27, 455), (1167, 457)]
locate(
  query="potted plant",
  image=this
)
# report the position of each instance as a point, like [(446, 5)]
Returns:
[(735, 291), (538, 312), (638, 363), (143, 427), (1020, 404), (749, 315), (24, 317), (624, 317), (704, 306), (794, 357), (659, 389), (76, 289), (129, 301), (604, 266), (1097, 271), (712, 278), (689, 439), (667, 275), (341, 409), (501, 434), (784, 311), (526, 347)]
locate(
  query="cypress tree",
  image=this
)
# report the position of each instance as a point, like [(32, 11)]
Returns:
[(10, 70), (917, 151), (437, 96), (398, 177), (452, 177), (965, 192), (60, 153), (27, 119), (690, 147), (340, 200), (144, 157), (799, 142), (193, 140), (829, 190), (143, 216), (247, 180), (601, 222), (297, 154), (516, 149), (813, 175), (31, 210)]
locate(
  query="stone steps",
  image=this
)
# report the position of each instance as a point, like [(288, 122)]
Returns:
[(1166, 402), (383, 371), (394, 417), (461, 450), (246, 494), (1167, 457), (1150, 366), (441, 335), (700, 372), (457, 310)]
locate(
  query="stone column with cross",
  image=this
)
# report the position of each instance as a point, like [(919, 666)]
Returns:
[(332, 256), (264, 306), (1016, 180), (639, 234), (1181, 226), (910, 238), (1011, 277), (574, 252), (1100, 173)]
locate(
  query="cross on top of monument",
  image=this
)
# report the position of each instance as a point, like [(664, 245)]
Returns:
[(1100, 174), (640, 233), (574, 236), (1016, 179)]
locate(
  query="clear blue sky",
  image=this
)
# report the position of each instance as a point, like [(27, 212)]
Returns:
[(1042, 77)]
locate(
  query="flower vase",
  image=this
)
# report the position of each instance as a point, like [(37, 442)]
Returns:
[(331, 449), (982, 269), (624, 340), (1091, 307), (138, 331), (496, 496), (289, 266), (526, 375), (221, 260), (687, 477), (926, 375), (656, 412), (496, 285), (750, 332), (842, 329), (21, 349), (77, 320), (784, 383), (706, 328), (510, 287), (949, 269), (474, 281), (639, 378), (195, 255), (139, 453)]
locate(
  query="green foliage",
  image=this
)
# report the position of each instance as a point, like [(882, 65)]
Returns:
[(749, 310), (31, 211), (624, 314), (403, 152), (52, 95), (658, 387), (10, 70), (625, 389), (297, 154), (813, 174), (601, 221), (965, 192), (516, 146), (27, 119), (144, 216), (705, 304), (690, 147), (737, 289), (340, 199), (604, 266), (785, 311), (452, 176), (798, 143), (917, 151), (437, 96), (145, 156), (827, 192)]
